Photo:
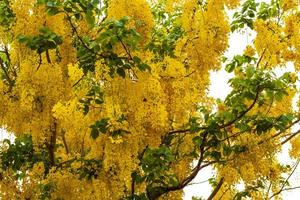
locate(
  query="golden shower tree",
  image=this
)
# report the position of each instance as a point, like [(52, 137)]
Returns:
[(108, 99)]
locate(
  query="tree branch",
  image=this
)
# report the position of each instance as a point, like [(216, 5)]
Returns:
[(52, 144), (260, 58), (65, 143), (290, 137), (217, 188), (10, 82), (244, 112), (280, 132), (187, 180)]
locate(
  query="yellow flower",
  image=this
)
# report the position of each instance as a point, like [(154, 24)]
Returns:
[(249, 51), (293, 77), (289, 4), (116, 140), (75, 73)]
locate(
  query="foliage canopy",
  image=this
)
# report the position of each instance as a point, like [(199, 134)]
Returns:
[(108, 99)]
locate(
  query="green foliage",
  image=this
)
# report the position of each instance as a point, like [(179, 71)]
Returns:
[(46, 190), (20, 156), (155, 160), (239, 61), (267, 11), (164, 35), (110, 34), (7, 16), (88, 9), (115, 32), (141, 196), (89, 169), (155, 164), (86, 54), (251, 11), (46, 40), (211, 131), (197, 198), (245, 16), (103, 126), (246, 193), (253, 85), (100, 126), (94, 95)]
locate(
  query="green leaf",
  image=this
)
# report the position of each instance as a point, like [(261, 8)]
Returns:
[(121, 72), (95, 133), (230, 67), (99, 101), (197, 140), (90, 18)]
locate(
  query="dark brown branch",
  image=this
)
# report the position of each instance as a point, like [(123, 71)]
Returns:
[(61, 165), (75, 31), (65, 143), (48, 56), (132, 186), (268, 191), (228, 123), (178, 131), (77, 82), (217, 188), (280, 132), (7, 53), (199, 165), (125, 48), (224, 193), (236, 134), (244, 112), (259, 60), (52, 143), (290, 137), (102, 55), (40, 62), (6, 73), (187, 180), (187, 75), (140, 156), (291, 188), (198, 183)]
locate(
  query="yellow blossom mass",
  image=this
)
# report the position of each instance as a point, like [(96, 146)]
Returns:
[(109, 100)]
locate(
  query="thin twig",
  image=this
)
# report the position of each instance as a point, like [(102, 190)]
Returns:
[(286, 180), (259, 60), (77, 82)]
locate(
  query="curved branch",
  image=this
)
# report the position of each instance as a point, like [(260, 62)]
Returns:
[(244, 112)]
